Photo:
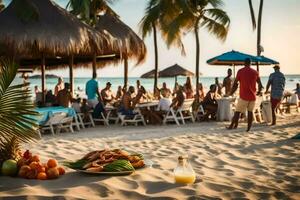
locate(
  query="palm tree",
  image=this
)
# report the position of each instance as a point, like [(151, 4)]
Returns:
[(148, 24), (194, 14), (16, 112), (259, 20), (1, 5), (158, 15), (88, 10)]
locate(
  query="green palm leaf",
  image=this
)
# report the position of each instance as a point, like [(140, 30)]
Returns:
[(16, 107)]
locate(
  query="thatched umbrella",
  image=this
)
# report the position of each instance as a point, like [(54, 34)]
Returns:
[(174, 71), (131, 45), (41, 29), (149, 74)]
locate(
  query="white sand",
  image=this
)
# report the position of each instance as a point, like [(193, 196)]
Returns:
[(262, 164)]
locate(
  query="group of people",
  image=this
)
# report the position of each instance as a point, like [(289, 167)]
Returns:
[(125, 100)]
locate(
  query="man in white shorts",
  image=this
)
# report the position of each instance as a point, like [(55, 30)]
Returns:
[(247, 77)]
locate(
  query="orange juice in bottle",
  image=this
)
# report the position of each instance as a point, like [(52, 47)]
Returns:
[(184, 172)]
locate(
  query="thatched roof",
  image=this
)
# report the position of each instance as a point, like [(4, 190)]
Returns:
[(149, 74), (131, 44), (175, 70), (32, 27)]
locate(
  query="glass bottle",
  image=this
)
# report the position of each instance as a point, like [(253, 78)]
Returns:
[(184, 172)]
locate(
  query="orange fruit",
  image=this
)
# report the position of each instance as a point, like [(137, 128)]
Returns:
[(35, 158), (53, 173), (61, 170), (23, 171), (42, 176), (34, 165), (31, 174), (41, 168), (51, 163)]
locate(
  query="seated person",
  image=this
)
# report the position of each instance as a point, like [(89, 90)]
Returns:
[(127, 106), (50, 99), (98, 110), (164, 103), (76, 105), (119, 93), (64, 97), (85, 108), (165, 91), (106, 94), (210, 104), (179, 98)]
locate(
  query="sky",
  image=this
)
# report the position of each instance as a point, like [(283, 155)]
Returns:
[(280, 39)]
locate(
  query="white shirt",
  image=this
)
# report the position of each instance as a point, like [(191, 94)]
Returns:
[(164, 104)]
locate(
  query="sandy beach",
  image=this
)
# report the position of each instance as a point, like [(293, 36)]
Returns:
[(262, 164)]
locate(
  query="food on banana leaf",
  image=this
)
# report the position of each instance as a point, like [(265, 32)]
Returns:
[(116, 160)]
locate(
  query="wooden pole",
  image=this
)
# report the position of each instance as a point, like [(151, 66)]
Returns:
[(125, 71), (94, 63), (43, 77), (71, 77), (258, 45)]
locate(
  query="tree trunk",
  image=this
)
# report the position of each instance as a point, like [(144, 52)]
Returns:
[(197, 59), (125, 71), (94, 64), (43, 68), (155, 56), (71, 62), (259, 31)]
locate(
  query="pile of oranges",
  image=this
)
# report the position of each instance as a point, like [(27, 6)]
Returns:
[(30, 167)]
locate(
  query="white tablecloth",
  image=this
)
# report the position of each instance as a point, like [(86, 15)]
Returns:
[(225, 111)]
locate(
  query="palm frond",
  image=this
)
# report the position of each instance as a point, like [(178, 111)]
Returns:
[(16, 108), (253, 20), (151, 17), (215, 28)]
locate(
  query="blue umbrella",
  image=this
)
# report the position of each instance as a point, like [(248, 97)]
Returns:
[(234, 58), (266, 61), (231, 58)]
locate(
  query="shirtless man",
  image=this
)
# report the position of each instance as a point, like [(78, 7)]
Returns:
[(127, 102), (227, 82), (165, 91), (106, 94)]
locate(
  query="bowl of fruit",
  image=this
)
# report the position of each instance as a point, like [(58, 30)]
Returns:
[(29, 166)]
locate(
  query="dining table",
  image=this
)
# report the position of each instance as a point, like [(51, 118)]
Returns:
[(46, 112), (225, 111)]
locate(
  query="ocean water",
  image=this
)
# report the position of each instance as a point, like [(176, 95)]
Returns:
[(291, 81)]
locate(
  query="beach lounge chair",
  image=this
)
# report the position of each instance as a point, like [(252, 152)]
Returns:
[(135, 119), (183, 113), (53, 122)]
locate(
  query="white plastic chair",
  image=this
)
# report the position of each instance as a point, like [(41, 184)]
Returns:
[(200, 112), (183, 113), (138, 117), (66, 123), (90, 121), (54, 121), (101, 119)]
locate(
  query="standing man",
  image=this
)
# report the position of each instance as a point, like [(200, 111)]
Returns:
[(92, 91), (227, 82), (247, 77), (277, 83)]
